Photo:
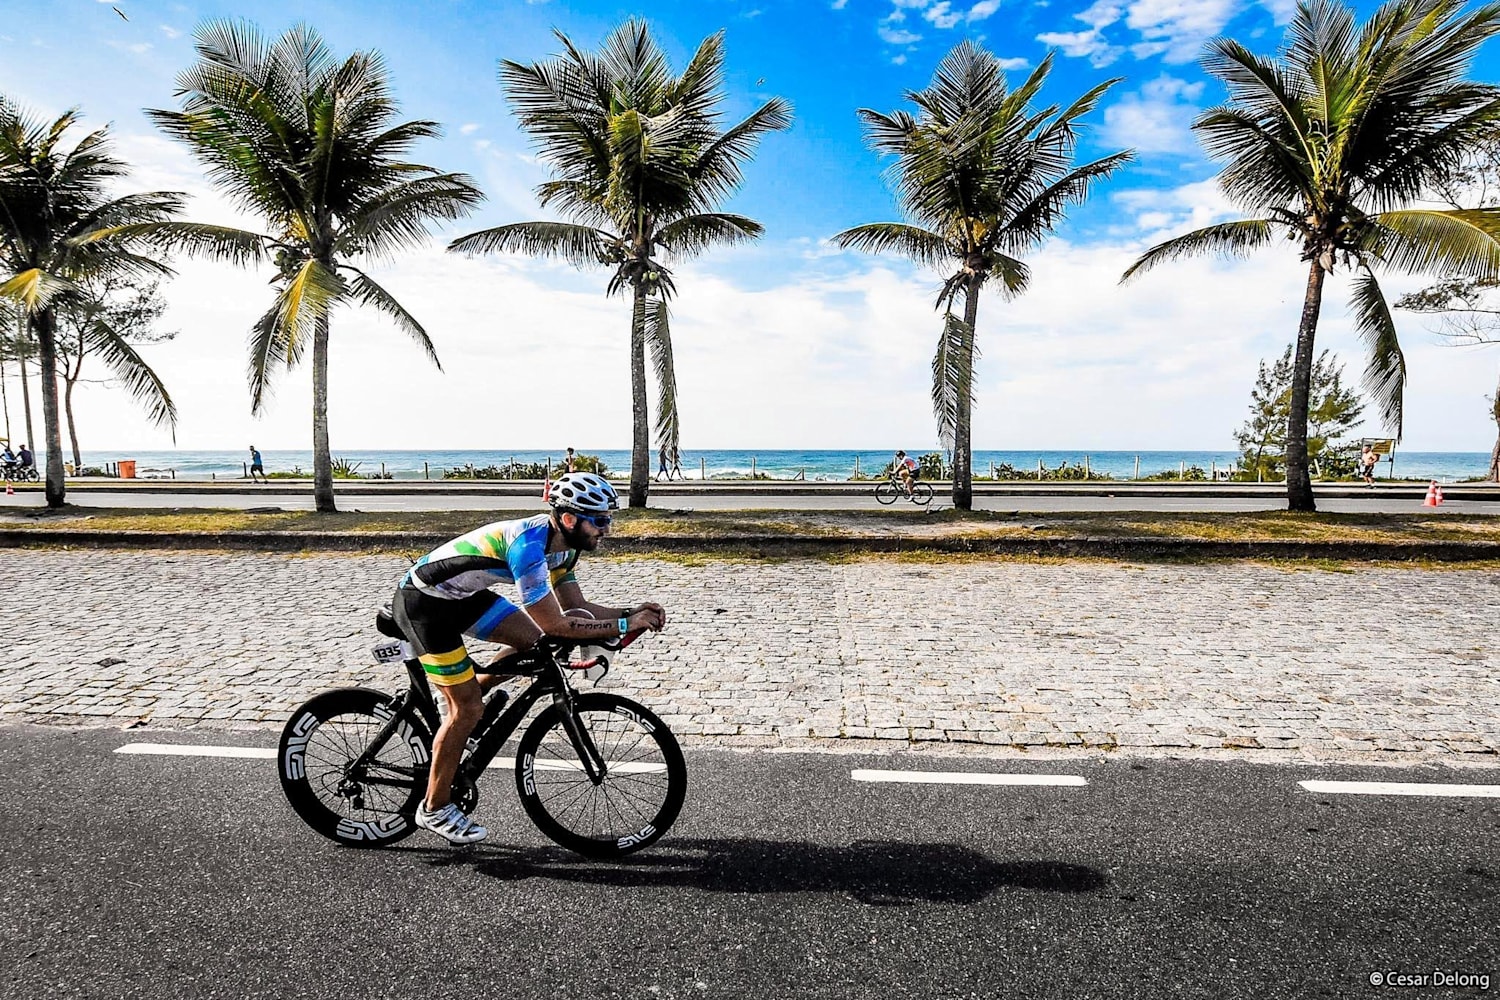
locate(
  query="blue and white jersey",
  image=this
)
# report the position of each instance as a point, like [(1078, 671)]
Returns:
[(503, 552)]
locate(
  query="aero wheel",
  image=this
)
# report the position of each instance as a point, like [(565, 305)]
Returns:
[(641, 790), (369, 806), (887, 492), (921, 493)]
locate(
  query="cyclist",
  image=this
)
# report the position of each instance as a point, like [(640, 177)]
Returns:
[(906, 468), (446, 595), (26, 458)]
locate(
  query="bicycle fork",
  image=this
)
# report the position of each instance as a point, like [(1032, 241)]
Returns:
[(583, 743)]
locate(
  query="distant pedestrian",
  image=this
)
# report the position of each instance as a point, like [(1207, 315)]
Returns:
[(677, 463), (1367, 460), (571, 460), (256, 465), (664, 469)]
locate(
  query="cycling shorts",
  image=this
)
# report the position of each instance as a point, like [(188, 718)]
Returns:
[(436, 626)]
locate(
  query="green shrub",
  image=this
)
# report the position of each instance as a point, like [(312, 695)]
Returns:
[(1193, 474), (1063, 473), (528, 470)]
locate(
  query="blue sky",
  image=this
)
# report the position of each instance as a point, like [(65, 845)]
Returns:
[(788, 343)]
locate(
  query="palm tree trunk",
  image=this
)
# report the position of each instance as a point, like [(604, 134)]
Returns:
[(963, 464), (72, 427), (42, 324), (322, 457), (640, 442), (1495, 451), (1299, 494), (5, 400), (26, 395)]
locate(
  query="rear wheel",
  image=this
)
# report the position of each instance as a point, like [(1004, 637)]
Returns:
[(921, 493), (887, 492), (639, 795), (370, 806)]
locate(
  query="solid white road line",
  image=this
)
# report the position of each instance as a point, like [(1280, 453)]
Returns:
[(966, 778), (1402, 788), (189, 750)]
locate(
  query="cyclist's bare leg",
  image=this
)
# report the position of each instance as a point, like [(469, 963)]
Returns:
[(464, 703)]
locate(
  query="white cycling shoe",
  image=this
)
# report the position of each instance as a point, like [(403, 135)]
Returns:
[(451, 824)]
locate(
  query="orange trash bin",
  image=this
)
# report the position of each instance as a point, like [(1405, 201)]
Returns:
[(127, 468)]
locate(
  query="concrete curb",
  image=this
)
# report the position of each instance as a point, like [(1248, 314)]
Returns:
[(786, 545)]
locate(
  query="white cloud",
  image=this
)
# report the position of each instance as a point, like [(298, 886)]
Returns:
[(899, 60), (897, 36), (941, 15), (1177, 29), (1083, 44), (1018, 62), (469, 128), (1101, 14), (1281, 10), (1154, 119), (169, 31), (839, 4), (136, 48), (982, 10)]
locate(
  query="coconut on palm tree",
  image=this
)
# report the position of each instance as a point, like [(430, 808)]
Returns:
[(311, 144), (983, 175), (59, 230), (1332, 145), (640, 166)]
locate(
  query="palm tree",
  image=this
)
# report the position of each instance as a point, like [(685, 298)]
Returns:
[(1333, 144), (311, 145), (640, 164), (983, 175), (58, 230), (106, 322)]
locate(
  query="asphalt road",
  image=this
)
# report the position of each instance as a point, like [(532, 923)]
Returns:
[(270, 497), (139, 876)]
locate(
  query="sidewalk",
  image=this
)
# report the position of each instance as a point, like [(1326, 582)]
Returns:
[(1226, 660)]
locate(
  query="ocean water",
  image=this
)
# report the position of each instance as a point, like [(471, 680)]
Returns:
[(817, 465)]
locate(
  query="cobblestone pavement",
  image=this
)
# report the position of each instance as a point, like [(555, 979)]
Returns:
[(1193, 659)]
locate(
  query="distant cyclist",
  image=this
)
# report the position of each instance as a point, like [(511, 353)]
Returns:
[(906, 468), (446, 595)]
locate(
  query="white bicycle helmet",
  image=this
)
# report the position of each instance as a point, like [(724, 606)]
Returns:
[(583, 492)]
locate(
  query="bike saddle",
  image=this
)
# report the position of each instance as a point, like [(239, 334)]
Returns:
[(385, 624)]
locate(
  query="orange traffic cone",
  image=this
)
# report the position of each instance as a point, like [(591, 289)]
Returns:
[(1432, 495), (1439, 497), (10, 490)]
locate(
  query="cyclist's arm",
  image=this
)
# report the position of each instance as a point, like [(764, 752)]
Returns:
[(549, 617), (570, 596)]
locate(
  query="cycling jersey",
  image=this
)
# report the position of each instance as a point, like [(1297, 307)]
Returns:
[(503, 552), (446, 594)]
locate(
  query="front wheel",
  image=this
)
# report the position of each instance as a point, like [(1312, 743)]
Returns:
[(367, 806), (921, 494), (887, 492), (638, 796)]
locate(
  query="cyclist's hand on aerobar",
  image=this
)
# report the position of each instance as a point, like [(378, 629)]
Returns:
[(650, 616)]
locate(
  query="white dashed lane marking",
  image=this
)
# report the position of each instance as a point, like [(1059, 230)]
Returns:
[(966, 778), (1402, 788), (192, 750)]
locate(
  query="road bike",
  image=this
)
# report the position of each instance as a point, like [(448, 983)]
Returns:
[(892, 489), (19, 473), (597, 773)]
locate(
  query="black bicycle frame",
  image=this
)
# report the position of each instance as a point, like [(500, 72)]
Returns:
[(501, 718)]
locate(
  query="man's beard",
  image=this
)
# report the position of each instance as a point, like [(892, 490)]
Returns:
[(574, 537)]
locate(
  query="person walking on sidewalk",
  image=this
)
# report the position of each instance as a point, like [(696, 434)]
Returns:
[(257, 466), (676, 463), (664, 469), (446, 595), (570, 461), (1367, 460)]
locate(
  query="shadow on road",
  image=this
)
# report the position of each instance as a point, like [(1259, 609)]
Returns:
[(878, 873)]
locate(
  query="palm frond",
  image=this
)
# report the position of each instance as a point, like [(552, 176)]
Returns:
[(581, 246), (1229, 238), (659, 339), (1385, 371), (952, 376), (132, 371), (693, 234), (366, 291), (223, 243), (1455, 241), (926, 248), (281, 336), (36, 290)]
